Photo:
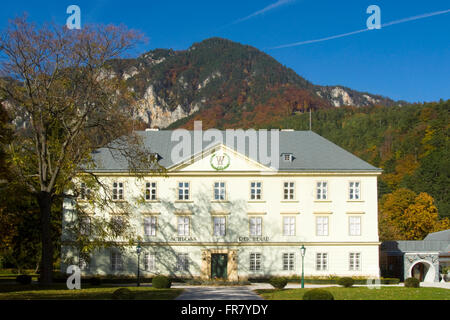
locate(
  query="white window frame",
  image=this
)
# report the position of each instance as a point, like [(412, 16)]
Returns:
[(289, 224), (288, 157), (354, 191), (256, 191), (220, 191), (321, 261), (322, 190), (85, 226), (151, 191), (118, 220), (85, 192), (289, 190), (116, 261), (219, 226), (183, 262), (150, 226), (118, 191), (185, 188), (255, 263), (149, 261), (255, 226), (322, 229), (184, 226), (288, 259), (354, 261), (83, 264), (354, 229)]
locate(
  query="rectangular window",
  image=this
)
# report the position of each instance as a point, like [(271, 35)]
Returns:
[(322, 226), (116, 261), (289, 191), (355, 226), (149, 261), (150, 191), (83, 264), (255, 261), (288, 261), (85, 226), (321, 261), (184, 226), (183, 191), (289, 226), (117, 191), (117, 224), (354, 190), (322, 190), (219, 226), (355, 261), (85, 192), (255, 226), (183, 262), (255, 190), (150, 226), (219, 191)]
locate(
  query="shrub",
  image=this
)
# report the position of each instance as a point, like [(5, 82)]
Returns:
[(161, 282), (278, 282), (318, 294), (390, 280), (412, 283), (123, 294), (346, 282), (95, 281), (24, 279)]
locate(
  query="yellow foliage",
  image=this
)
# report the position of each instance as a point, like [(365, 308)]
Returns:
[(407, 216)]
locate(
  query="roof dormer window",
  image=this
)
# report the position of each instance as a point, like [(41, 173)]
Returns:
[(287, 157)]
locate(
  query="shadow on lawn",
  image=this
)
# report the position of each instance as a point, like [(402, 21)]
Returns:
[(60, 292)]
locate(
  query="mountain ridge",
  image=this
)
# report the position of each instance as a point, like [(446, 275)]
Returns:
[(228, 81)]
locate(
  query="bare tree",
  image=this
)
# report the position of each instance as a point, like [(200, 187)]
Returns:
[(58, 82)]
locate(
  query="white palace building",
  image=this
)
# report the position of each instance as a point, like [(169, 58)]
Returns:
[(223, 213)]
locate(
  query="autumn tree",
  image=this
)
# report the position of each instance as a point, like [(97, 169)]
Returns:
[(421, 218), (404, 215), (392, 208), (57, 82)]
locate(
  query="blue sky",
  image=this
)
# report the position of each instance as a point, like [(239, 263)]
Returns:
[(409, 61)]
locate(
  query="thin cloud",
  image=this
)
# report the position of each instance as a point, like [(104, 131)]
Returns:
[(275, 5), (422, 16)]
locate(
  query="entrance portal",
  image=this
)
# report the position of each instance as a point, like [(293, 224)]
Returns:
[(423, 271), (219, 263)]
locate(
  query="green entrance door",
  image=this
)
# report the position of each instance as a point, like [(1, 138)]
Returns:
[(219, 264)]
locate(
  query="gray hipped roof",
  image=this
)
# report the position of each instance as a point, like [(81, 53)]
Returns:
[(440, 235), (310, 151)]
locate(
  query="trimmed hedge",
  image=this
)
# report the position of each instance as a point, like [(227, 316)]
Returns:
[(327, 281), (346, 282), (95, 281), (161, 282), (24, 279), (278, 282), (318, 294), (412, 283), (123, 294)]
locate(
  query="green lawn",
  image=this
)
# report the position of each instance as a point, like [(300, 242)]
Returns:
[(60, 292), (360, 293)]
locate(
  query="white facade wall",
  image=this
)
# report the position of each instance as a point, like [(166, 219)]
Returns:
[(238, 207)]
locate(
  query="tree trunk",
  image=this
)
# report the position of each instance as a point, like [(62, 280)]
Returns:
[(45, 205)]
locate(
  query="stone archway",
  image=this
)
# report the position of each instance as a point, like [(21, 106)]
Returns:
[(422, 270)]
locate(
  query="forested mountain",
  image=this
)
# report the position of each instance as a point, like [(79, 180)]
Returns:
[(410, 143), (230, 82)]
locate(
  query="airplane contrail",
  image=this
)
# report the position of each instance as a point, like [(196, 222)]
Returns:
[(422, 16)]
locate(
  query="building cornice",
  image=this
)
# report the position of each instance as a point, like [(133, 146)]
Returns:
[(245, 244)]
